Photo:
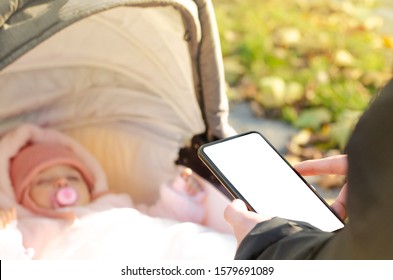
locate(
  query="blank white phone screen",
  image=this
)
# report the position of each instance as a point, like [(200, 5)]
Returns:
[(268, 183)]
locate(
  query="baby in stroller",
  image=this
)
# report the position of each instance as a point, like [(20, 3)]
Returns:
[(49, 177), (50, 180)]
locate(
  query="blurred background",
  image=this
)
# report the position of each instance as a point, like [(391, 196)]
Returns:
[(302, 71)]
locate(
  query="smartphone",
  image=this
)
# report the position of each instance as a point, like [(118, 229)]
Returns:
[(251, 169)]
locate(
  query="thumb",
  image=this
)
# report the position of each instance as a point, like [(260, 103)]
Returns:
[(240, 219), (235, 211)]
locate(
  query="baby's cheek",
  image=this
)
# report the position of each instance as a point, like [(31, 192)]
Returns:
[(41, 196), (83, 196)]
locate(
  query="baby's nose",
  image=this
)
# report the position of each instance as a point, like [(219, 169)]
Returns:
[(61, 182)]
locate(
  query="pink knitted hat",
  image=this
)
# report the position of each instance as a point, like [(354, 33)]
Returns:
[(33, 159)]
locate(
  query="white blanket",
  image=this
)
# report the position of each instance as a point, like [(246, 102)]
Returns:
[(115, 233), (123, 233)]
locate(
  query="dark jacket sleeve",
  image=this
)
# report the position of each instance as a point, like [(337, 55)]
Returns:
[(282, 239), (369, 232)]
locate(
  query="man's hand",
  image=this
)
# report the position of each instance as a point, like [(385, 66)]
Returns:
[(336, 165)]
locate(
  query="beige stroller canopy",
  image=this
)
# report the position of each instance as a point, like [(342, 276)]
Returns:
[(27, 23)]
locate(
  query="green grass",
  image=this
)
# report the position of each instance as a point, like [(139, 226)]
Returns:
[(315, 64)]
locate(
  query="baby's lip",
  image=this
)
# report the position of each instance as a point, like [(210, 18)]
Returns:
[(66, 196)]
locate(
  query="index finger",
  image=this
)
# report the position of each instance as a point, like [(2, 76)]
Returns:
[(331, 165)]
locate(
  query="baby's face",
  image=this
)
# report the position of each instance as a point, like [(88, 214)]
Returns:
[(46, 184)]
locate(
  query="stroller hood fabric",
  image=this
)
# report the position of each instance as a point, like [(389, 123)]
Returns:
[(26, 24)]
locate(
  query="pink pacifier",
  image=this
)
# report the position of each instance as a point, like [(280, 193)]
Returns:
[(66, 196)]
